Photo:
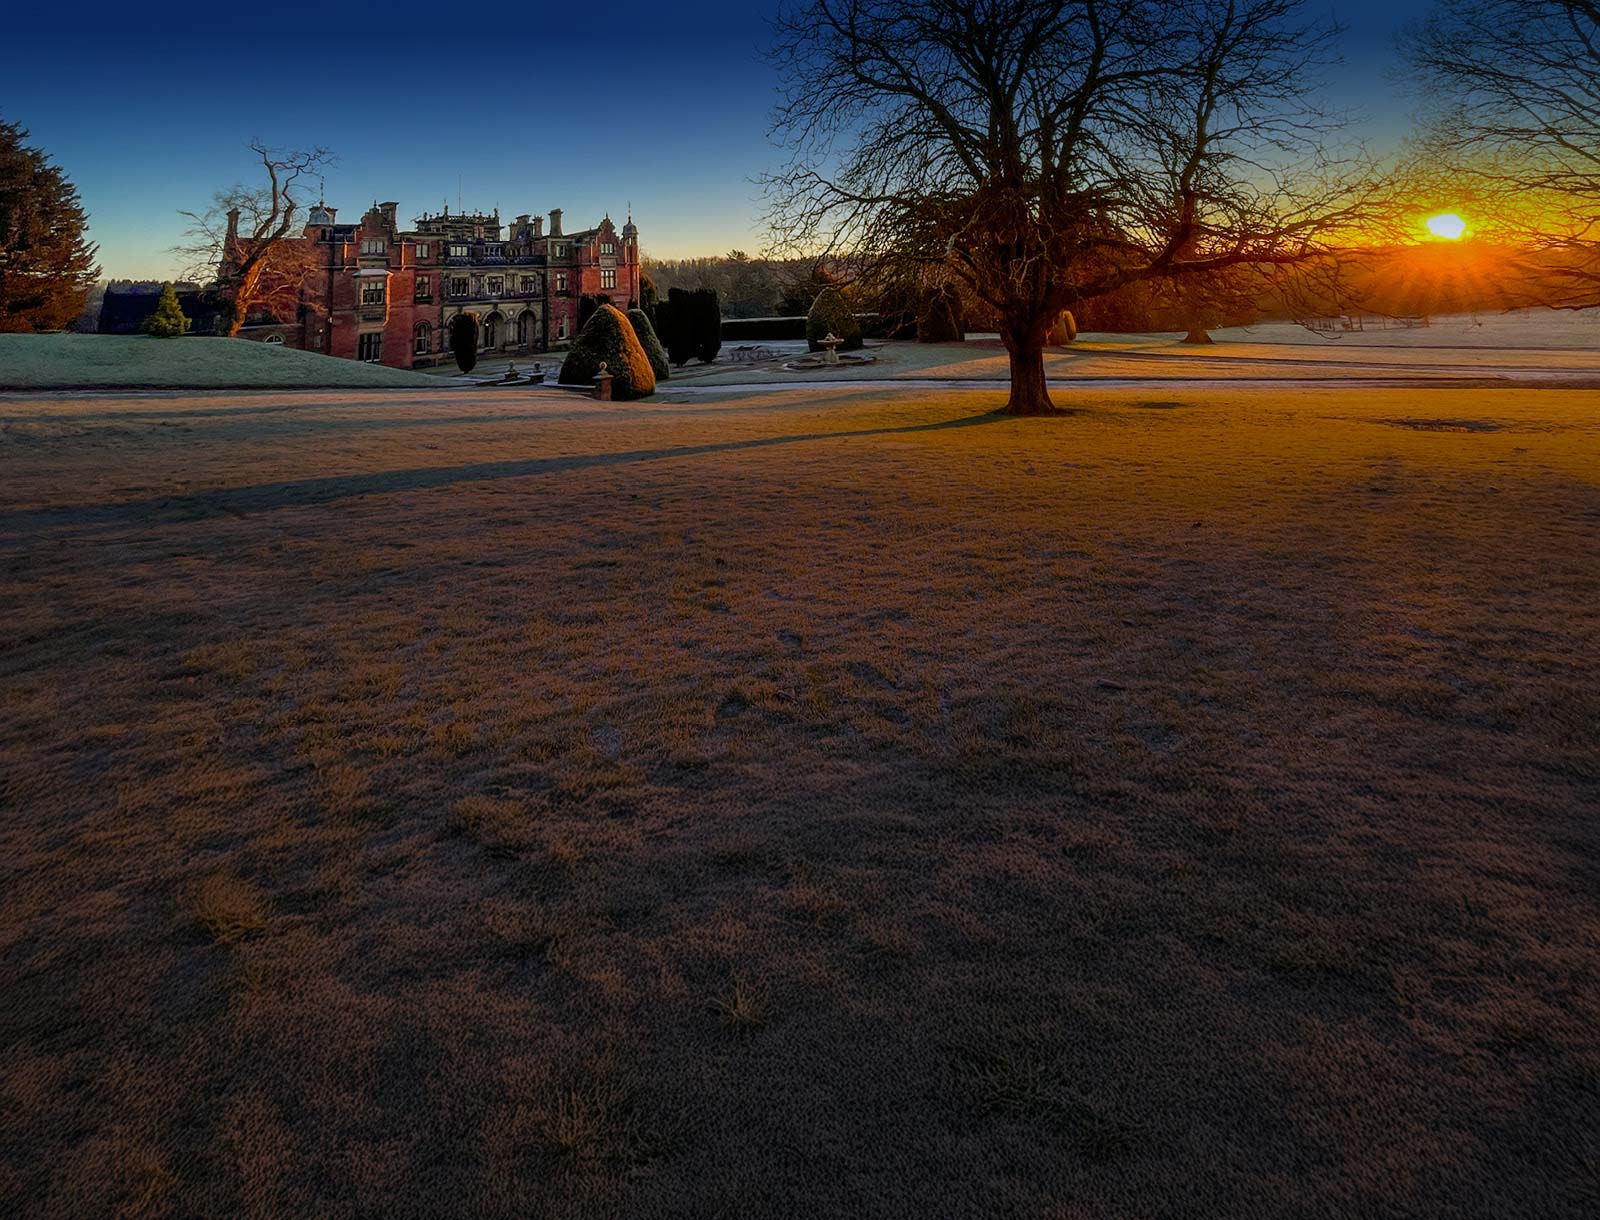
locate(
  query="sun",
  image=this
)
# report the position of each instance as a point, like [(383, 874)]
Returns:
[(1446, 225)]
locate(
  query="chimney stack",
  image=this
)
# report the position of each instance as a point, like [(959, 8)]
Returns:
[(388, 210), (538, 226), (555, 222)]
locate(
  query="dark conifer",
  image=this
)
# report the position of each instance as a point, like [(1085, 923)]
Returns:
[(47, 266)]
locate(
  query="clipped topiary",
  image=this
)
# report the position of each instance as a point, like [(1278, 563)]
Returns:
[(830, 312), (707, 324), (938, 320), (464, 340), (675, 325), (653, 350), (1063, 331), (167, 322), (609, 340)]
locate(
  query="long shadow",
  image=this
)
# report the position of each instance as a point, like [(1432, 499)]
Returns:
[(264, 497)]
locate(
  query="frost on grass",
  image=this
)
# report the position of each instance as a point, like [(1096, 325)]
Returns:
[(621, 811)]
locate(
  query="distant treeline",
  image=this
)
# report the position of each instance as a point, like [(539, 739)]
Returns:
[(747, 287), (1428, 278)]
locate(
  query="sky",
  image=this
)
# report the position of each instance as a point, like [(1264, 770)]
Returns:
[(149, 108)]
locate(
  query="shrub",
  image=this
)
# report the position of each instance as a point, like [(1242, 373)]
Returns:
[(609, 340), (464, 340), (831, 312), (707, 327), (1063, 330), (652, 345), (675, 325), (167, 322), (588, 303), (743, 330), (939, 320)]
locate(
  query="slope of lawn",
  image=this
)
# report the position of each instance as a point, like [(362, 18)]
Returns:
[(824, 804), (69, 361)]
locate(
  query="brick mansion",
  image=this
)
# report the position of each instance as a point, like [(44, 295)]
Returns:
[(373, 291)]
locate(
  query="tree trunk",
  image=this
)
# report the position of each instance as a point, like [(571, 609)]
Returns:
[(1029, 396), (1197, 334)]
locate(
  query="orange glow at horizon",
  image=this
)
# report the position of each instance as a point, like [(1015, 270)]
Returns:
[(1447, 226)]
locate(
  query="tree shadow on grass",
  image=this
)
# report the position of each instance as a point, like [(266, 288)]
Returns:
[(264, 497)]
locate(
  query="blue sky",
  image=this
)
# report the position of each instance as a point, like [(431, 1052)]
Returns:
[(663, 106)]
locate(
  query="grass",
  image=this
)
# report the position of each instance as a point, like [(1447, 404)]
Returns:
[(228, 908), (832, 803), (71, 361), (743, 1007)]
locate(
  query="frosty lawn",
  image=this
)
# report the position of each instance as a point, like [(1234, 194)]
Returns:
[(68, 361), (824, 802)]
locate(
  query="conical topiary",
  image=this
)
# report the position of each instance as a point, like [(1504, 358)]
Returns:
[(167, 322), (609, 339), (831, 312), (1063, 330), (464, 340), (653, 350)]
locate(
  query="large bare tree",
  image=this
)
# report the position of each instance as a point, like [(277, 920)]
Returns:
[(1512, 90), (1047, 152), (246, 240)]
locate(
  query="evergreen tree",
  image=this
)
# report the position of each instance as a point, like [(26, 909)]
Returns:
[(651, 344), (831, 312), (47, 266), (648, 297), (464, 340), (707, 324), (675, 319), (167, 322)]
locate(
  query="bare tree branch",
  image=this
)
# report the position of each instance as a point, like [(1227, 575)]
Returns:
[(1041, 152), (247, 243)]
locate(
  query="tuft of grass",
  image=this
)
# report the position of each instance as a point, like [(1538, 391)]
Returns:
[(603, 1120), (229, 908), (500, 826), (527, 928), (1027, 1085), (743, 1006), (342, 790)]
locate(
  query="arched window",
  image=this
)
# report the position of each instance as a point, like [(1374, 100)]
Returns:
[(424, 343)]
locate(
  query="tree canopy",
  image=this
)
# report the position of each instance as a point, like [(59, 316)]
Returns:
[(247, 239), (1512, 127), (1044, 153), (47, 264)]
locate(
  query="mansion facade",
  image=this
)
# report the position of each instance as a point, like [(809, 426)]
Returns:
[(372, 291)]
